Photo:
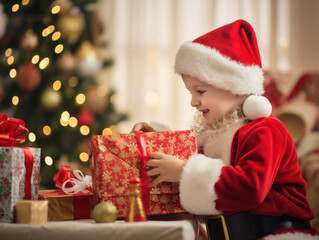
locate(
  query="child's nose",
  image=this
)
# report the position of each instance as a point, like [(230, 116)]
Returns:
[(194, 102)]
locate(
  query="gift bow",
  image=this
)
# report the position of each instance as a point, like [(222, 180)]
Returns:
[(11, 130), (73, 183)]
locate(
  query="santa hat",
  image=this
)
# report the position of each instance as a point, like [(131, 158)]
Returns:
[(228, 58)]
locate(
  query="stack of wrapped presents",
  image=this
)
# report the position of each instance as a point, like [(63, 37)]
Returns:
[(114, 160)]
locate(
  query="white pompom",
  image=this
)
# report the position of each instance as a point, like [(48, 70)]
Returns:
[(256, 107)]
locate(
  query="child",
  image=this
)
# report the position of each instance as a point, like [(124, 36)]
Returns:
[(248, 170)]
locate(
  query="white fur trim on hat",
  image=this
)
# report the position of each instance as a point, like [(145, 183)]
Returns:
[(208, 65), (291, 236), (255, 107), (197, 192)]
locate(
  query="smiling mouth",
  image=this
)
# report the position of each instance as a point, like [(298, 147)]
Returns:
[(205, 112)]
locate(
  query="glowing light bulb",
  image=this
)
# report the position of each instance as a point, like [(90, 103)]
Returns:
[(84, 130), (45, 32), (15, 7), (8, 52), (51, 28), (65, 116), (47, 130), (13, 73), (25, 2), (56, 85), (44, 63), (56, 9), (107, 131), (84, 157), (80, 98), (73, 122), (15, 100), (48, 160), (58, 49), (10, 60), (35, 59), (32, 137), (56, 36)]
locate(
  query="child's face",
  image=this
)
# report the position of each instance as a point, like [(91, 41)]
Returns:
[(211, 101)]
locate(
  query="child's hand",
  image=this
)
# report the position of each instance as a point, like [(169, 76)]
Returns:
[(165, 168), (143, 127)]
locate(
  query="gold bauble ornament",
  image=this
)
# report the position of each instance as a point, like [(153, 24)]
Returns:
[(88, 64), (51, 99), (70, 27), (104, 212)]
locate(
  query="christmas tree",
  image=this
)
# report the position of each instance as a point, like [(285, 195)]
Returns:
[(48, 73)]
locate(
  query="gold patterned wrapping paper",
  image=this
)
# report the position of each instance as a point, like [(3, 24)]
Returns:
[(67, 206), (114, 159)]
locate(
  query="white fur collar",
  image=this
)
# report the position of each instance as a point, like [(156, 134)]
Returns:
[(219, 145), (215, 141)]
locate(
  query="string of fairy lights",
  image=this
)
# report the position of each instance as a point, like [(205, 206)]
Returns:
[(42, 62)]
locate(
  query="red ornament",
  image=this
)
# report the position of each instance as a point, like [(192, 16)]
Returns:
[(29, 77), (85, 117)]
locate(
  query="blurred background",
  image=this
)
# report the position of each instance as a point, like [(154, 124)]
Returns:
[(73, 68)]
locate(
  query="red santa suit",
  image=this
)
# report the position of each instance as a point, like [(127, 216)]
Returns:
[(263, 176), (258, 170)]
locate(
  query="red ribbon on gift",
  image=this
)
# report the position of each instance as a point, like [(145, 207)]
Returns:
[(13, 130), (144, 156)]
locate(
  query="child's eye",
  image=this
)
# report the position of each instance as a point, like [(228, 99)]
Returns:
[(200, 92)]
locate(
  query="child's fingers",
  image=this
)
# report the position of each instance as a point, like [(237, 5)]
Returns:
[(156, 181), (156, 155), (137, 127), (142, 127), (153, 172), (153, 163)]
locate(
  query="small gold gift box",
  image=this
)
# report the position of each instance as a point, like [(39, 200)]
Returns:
[(32, 211)]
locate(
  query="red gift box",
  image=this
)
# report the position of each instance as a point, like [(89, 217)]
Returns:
[(114, 159)]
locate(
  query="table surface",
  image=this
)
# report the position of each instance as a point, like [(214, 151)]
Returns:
[(87, 229)]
